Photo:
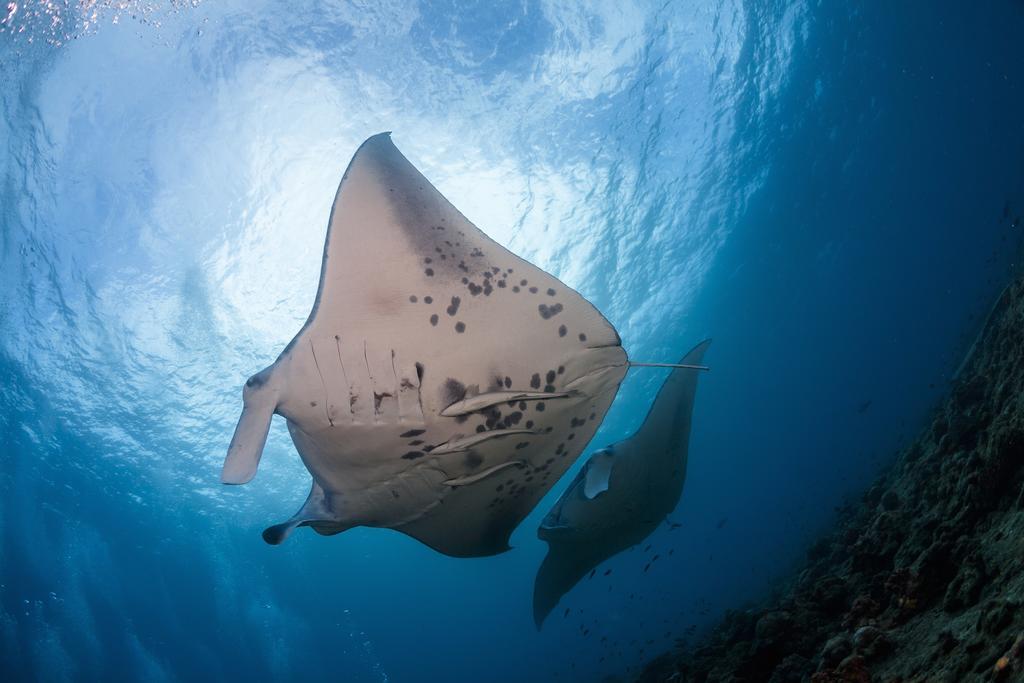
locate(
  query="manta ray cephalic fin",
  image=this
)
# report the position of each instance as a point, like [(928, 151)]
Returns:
[(316, 509)]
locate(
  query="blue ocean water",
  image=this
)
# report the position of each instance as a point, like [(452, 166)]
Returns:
[(832, 192)]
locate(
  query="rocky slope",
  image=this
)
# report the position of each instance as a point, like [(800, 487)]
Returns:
[(925, 580)]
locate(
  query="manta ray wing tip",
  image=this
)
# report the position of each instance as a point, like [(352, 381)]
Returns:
[(384, 135)]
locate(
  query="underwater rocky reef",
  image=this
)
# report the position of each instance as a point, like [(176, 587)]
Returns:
[(924, 579)]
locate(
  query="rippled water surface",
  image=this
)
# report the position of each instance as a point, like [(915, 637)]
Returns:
[(833, 194)]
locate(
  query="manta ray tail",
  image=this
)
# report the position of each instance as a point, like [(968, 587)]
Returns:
[(683, 366), (316, 512), (259, 401)]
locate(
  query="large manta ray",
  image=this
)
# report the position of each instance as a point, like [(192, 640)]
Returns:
[(622, 492), (441, 384)]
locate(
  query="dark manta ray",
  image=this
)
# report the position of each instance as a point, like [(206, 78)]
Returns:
[(441, 384), (622, 493)]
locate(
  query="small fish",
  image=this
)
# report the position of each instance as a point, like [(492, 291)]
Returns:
[(607, 572)]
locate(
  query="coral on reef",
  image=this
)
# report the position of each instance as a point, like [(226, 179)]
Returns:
[(924, 580)]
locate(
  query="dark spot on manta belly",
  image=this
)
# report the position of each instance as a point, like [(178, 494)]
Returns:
[(429, 272), (583, 337), (540, 406), (508, 382), (454, 307), (562, 330), (453, 391), (411, 433), (378, 399), (535, 381), (413, 298), (460, 327), (473, 459), (550, 377), (428, 299), (549, 311), (412, 455), (433, 320)]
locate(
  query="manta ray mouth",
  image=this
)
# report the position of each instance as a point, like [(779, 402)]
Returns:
[(555, 530)]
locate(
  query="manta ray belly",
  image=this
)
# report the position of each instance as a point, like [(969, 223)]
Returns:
[(441, 384)]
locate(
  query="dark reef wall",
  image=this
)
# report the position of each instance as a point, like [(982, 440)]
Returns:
[(923, 581)]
